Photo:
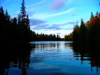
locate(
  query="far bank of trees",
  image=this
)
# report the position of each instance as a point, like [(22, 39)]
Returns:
[(68, 37), (45, 37)]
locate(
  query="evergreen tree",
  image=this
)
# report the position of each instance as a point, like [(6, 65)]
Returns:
[(76, 34), (82, 32), (91, 18), (2, 24), (24, 27), (23, 12), (19, 19), (97, 14), (28, 22)]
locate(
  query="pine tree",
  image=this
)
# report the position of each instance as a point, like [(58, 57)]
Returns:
[(23, 17), (82, 32), (19, 19), (97, 14), (23, 12), (92, 16), (76, 34), (7, 16), (28, 22), (23, 22)]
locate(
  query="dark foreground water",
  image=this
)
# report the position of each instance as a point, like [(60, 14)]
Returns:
[(49, 58)]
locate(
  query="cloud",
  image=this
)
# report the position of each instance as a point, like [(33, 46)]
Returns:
[(71, 22), (45, 15), (73, 14), (40, 27), (58, 33), (36, 3), (55, 27), (57, 4), (48, 27), (69, 28), (36, 22)]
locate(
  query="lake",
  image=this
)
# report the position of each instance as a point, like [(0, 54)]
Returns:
[(50, 58)]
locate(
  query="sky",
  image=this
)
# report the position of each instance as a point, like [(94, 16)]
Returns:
[(53, 16)]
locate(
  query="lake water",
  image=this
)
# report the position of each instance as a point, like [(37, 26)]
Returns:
[(51, 58)]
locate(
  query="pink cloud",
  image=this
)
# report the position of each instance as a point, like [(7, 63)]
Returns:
[(57, 4)]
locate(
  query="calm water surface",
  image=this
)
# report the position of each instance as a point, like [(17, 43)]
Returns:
[(54, 58)]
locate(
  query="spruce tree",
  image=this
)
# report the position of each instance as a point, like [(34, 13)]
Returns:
[(82, 32), (23, 21), (23, 12)]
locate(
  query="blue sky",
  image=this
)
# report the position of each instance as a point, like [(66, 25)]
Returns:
[(53, 16)]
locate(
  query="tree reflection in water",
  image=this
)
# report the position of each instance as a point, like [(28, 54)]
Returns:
[(88, 52), (18, 56), (14, 55)]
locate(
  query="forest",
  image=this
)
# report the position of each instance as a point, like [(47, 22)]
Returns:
[(17, 29), (86, 32)]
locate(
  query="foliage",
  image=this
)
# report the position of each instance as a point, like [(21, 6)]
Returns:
[(68, 37), (18, 29), (45, 37), (82, 32), (76, 33), (14, 30), (88, 32)]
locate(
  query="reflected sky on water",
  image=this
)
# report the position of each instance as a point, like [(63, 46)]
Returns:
[(53, 58)]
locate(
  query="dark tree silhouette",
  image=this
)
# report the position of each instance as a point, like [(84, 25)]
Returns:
[(23, 12), (76, 34), (82, 32)]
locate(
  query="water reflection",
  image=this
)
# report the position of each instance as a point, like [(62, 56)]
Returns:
[(14, 55), (65, 56), (88, 52), (50, 58)]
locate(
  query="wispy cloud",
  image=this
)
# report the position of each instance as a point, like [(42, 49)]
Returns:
[(40, 27), (57, 4), (45, 15), (36, 22), (61, 13), (36, 3), (47, 27), (53, 26), (71, 22)]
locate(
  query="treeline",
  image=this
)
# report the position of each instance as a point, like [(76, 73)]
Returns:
[(45, 37), (68, 37), (87, 32), (18, 29)]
